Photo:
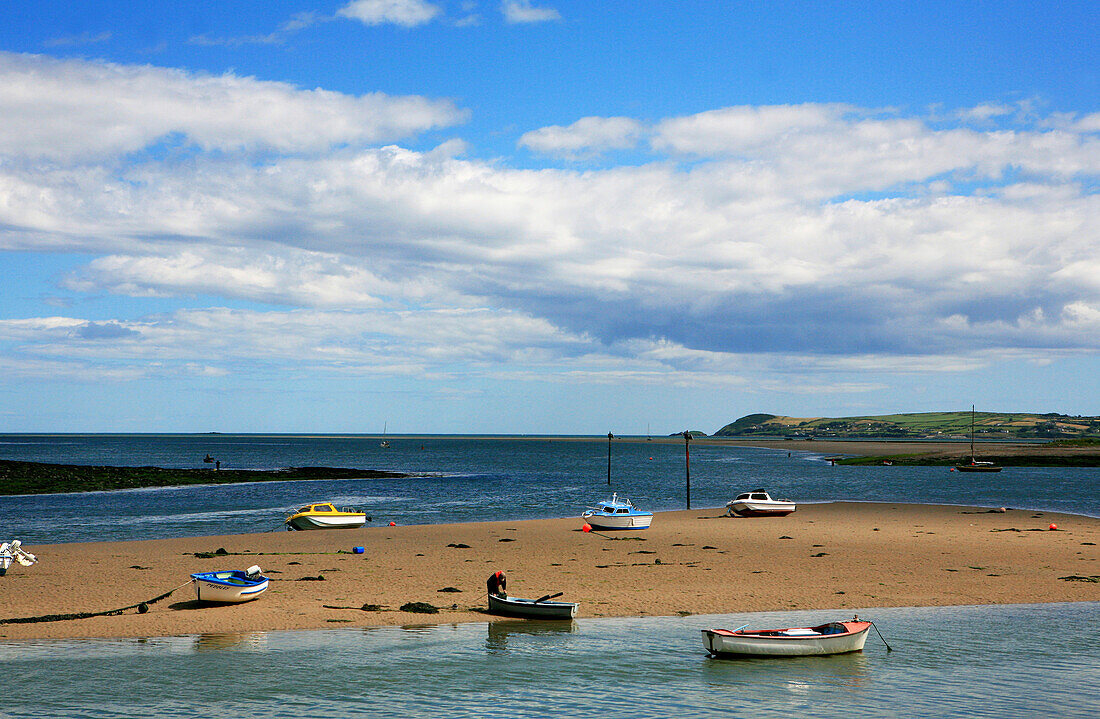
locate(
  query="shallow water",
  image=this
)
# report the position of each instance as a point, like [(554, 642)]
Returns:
[(991, 661), (471, 479)]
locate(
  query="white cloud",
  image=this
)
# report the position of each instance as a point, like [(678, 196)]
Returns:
[(809, 238), (406, 13), (985, 112), (587, 136), (67, 110), (522, 11)]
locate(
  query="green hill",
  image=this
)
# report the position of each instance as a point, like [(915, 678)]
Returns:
[(917, 425)]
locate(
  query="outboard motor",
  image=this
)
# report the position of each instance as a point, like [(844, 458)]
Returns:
[(253, 572)]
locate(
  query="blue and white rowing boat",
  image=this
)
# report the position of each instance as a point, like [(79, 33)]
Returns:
[(230, 586)]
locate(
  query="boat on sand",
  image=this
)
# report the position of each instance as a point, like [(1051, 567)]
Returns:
[(616, 513), (758, 503), (231, 586), (531, 608), (324, 515), (830, 638), (13, 552)]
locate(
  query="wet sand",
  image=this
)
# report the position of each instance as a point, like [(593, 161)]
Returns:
[(827, 556)]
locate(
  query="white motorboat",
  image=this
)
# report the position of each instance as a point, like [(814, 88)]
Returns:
[(616, 513), (759, 503), (324, 515), (831, 638), (231, 586)]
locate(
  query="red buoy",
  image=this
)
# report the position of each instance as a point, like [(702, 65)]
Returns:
[(1054, 526), (393, 524), (587, 527)]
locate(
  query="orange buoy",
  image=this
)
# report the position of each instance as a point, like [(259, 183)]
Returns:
[(393, 524), (587, 527), (1054, 526)]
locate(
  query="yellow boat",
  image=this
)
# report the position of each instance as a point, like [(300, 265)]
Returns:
[(323, 515)]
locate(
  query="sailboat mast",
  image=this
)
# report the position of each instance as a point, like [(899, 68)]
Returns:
[(971, 434)]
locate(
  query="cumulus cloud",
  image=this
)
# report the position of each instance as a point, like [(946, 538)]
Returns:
[(406, 13), (824, 238), (523, 11), (65, 110), (587, 136)]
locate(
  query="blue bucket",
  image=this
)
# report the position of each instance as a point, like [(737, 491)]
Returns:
[(358, 550)]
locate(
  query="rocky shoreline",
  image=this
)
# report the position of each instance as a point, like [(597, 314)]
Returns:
[(42, 478)]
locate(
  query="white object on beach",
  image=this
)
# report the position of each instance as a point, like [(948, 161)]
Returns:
[(758, 503), (616, 513), (323, 515), (13, 551), (231, 586)]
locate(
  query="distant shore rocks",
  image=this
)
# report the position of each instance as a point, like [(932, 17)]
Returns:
[(18, 477)]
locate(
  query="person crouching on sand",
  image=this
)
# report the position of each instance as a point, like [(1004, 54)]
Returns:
[(497, 584)]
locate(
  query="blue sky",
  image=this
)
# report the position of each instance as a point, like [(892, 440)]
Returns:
[(543, 216)]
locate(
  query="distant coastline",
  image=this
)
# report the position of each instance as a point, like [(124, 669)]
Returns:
[(931, 453), (21, 477)]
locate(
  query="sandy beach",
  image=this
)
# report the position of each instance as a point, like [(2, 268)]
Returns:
[(825, 556)]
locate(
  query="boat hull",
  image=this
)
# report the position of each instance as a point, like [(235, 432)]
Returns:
[(228, 587), (530, 609), (757, 508), (597, 520), (769, 643), (318, 521), (977, 468)]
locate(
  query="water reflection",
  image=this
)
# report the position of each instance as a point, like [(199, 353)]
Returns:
[(500, 632), (796, 674), (248, 641)]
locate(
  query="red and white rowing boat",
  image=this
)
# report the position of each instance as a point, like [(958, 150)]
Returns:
[(831, 638)]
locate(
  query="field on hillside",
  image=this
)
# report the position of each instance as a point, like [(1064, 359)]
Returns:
[(918, 425)]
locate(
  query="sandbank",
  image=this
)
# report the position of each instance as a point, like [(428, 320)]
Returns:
[(838, 556)]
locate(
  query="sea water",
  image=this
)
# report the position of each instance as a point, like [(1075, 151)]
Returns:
[(467, 479), (990, 661)]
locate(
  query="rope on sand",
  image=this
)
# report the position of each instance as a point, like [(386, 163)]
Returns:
[(142, 608)]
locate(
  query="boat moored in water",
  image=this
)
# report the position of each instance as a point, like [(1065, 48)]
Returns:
[(830, 638), (617, 513), (975, 465), (758, 503), (231, 586), (531, 608), (324, 515)]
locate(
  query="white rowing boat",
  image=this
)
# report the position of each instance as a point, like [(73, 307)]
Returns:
[(230, 586), (531, 608), (831, 638)]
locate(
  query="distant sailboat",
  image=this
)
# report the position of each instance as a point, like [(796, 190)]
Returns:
[(974, 465), (384, 444)]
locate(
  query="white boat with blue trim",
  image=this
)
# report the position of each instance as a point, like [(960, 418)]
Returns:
[(617, 513), (231, 586)]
